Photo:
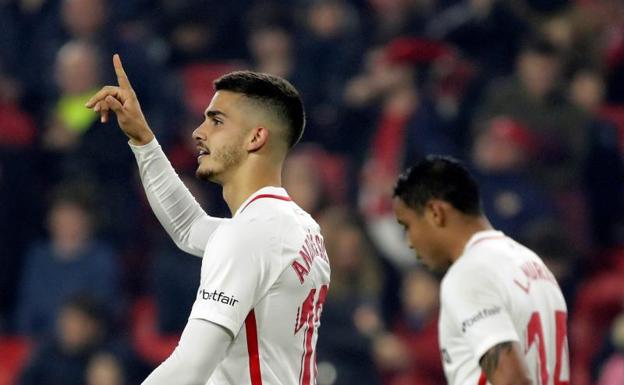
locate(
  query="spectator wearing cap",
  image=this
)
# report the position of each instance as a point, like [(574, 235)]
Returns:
[(500, 157), (406, 125), (533, 96)]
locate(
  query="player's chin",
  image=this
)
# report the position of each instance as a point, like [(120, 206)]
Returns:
[(207, 174), (204, 173), (427, 262)]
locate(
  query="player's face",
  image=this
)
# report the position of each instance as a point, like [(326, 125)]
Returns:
[(421, 236), (221, 137)]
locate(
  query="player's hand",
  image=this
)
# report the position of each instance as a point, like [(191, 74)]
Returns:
[(123, 101)]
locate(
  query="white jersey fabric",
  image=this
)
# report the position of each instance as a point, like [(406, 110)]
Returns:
[(499, 291), (264, 277)]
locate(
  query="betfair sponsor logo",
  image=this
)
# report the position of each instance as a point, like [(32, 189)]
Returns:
[(219, 297), (482, 314)]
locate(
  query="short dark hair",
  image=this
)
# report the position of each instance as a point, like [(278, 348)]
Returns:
[(89, 306), (276, 93), (439, 177)]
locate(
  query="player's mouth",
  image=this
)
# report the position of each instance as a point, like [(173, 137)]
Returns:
[(202, 152)]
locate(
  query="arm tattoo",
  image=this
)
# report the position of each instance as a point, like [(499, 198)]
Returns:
[(489, 361)]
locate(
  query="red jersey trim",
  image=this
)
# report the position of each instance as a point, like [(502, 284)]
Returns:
[(251, 331), (482, 379), (272, 196), (484, 239)]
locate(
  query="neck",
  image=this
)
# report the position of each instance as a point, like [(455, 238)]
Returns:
[(248, 179), (468, 227)]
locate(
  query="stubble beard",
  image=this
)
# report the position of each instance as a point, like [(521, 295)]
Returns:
[(225, 160)]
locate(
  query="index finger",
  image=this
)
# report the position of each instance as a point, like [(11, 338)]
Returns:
[(122, 78)]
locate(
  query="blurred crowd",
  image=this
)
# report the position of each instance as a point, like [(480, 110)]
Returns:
[(528, 93)]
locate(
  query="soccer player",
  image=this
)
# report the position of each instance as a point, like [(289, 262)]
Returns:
[(265, 272), (502, 315)]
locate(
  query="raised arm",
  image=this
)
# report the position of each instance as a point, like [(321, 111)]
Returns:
[(174, 206)]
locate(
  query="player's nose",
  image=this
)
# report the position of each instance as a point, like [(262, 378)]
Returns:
[(199, 134)]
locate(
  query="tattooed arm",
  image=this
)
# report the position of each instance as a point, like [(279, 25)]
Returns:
[(504, 364)]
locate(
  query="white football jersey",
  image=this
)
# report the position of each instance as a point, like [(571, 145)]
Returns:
[(264, 277), (499, 291)]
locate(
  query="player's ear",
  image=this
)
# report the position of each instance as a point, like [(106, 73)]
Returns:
[(259, 137), (435, 212)]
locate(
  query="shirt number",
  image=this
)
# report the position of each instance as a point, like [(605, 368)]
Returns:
[(308, 315), (535, 334)]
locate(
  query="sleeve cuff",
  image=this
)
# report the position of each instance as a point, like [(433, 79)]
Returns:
[(218, 319), (152, 145), (493, 340)]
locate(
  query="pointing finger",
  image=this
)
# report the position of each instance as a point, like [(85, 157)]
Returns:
[(122, 78)]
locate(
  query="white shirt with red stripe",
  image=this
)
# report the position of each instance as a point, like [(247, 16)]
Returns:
[(264, 277), (499, 291)]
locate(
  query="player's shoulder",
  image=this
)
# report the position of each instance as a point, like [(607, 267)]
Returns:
[(268, 214), (480, 263)]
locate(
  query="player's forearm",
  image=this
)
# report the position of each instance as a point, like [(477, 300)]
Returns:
[(202, 347), (174, 206), (504, 364)]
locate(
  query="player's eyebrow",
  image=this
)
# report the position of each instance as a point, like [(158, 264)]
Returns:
[(214, 113)]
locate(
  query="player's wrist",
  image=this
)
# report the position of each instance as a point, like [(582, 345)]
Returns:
[(142, 140)]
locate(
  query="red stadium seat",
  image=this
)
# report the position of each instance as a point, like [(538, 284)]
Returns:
[(152, 346), (14, 351), (198, 88)]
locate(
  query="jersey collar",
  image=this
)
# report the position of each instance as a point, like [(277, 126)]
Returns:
[(269, 192), (480, 236)]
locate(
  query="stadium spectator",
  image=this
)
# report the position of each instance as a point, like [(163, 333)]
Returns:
[(78, 74), (105, 369), (304, 179), (408, 354), (71, 262), (77, 146), (406, 126), (533, 96), (81, 329), (350, 314), (512, 200)]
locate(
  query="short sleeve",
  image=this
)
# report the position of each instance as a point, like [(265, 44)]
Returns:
[(236, 273), (476, 306)]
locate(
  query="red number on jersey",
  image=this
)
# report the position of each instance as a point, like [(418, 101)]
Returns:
[(535, 334), (309, 314)]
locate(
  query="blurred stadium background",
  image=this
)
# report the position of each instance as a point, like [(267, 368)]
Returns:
[(530, 93)]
